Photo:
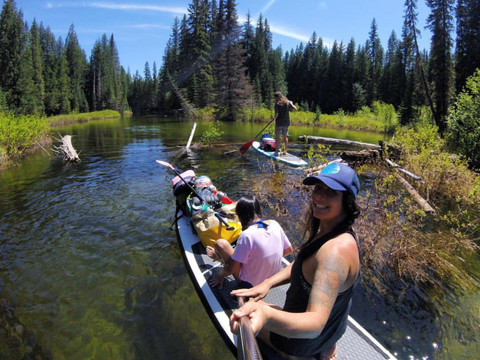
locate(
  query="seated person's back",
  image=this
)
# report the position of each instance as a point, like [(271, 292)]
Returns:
[(259, 249)]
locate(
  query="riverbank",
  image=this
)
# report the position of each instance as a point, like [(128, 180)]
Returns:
[(380, 118), (83, 117), (21, 135)]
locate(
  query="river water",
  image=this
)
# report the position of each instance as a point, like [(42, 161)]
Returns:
[(90, 264)]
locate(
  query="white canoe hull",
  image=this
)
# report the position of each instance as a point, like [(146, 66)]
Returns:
[(355, 344)]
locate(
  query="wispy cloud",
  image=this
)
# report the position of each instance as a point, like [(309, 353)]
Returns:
[(268, 6), (289, 33), (123, 7), (279, 30)]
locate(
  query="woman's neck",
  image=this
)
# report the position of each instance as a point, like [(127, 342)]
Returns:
[(254, 220), (328, 225)]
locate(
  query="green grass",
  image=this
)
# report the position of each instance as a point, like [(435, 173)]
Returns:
[(95, 115), (18, 133), (380, 118)]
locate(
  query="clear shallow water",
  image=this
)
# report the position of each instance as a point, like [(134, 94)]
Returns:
[(90, 263)]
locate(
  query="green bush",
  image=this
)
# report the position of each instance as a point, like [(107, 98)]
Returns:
[(447, 178), (212, 135), (206, 113), (386, 114), (18, 133), (464, 121)]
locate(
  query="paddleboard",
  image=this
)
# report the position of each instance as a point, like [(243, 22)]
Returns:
[(289, 159), (356, 343)]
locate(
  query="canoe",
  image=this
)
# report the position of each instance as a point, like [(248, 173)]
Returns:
[(289, 159), (356, 343)]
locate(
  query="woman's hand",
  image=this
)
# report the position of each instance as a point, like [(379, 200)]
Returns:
[(255, 293), (257, 313)]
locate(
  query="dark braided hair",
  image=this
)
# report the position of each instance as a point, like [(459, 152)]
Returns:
[(248, 209)]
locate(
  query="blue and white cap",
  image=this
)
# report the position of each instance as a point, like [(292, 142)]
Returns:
[(337, 176)]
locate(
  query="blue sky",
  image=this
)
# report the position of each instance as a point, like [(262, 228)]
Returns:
[(141, 28)]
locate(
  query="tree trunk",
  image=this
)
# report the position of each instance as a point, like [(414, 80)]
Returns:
[(331, 141), (66, 149)]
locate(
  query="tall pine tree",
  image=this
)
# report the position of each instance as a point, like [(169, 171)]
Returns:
[(440, 22), (77, 71)]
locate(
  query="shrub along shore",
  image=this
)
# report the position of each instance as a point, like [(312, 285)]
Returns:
[(22, 134)]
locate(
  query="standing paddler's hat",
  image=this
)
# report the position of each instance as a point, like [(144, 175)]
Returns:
[(337, 176)]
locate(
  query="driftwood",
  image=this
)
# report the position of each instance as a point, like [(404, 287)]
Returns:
[(412, 175), (331, 141), (43, 148), (416, 196), (191, 135), (361, 157), (390, 151), (66, 149)]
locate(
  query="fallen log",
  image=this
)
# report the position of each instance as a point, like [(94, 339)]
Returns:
[(332, 141), (416, 196), (406, 172), (388, 150), (66, 149), (361, 157)]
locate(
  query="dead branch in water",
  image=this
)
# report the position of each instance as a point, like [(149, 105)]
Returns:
[(66, 149)]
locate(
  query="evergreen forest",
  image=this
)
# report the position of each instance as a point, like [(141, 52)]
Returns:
[(211, 60)]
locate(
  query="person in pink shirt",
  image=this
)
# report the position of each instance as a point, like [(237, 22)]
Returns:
[(259, 249)]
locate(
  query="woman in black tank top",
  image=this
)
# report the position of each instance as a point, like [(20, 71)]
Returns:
[(322, 277)]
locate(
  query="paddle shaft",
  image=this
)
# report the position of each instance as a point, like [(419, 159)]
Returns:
[(247, 346), (265, 127), (247, 145)]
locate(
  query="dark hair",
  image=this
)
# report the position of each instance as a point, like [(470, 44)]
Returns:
[(312, 224), (248, 209)]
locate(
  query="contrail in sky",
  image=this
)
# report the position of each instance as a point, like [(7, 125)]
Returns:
[(113, 6), (266, 7)]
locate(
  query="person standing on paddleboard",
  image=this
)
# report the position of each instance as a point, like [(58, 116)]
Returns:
[(283, 106), (259, 250), (322, 278)]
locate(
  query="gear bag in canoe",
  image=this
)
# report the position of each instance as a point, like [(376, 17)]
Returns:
[(212, 212)]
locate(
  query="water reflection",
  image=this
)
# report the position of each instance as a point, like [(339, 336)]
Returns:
[(90, 263)]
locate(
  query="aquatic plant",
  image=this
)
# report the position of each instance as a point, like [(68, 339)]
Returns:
[(212, 135)]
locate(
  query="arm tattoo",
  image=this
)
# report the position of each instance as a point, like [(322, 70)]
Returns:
[(327, 281)]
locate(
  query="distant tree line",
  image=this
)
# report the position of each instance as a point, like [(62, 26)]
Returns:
[(45, 76), (211, 60)]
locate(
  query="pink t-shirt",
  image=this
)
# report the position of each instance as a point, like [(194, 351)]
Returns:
[(260, 251)]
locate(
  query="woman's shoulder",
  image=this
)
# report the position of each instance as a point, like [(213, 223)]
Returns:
[(341, 244)]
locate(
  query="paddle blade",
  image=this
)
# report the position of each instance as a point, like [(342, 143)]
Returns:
[(164, 163), (246, 146)]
